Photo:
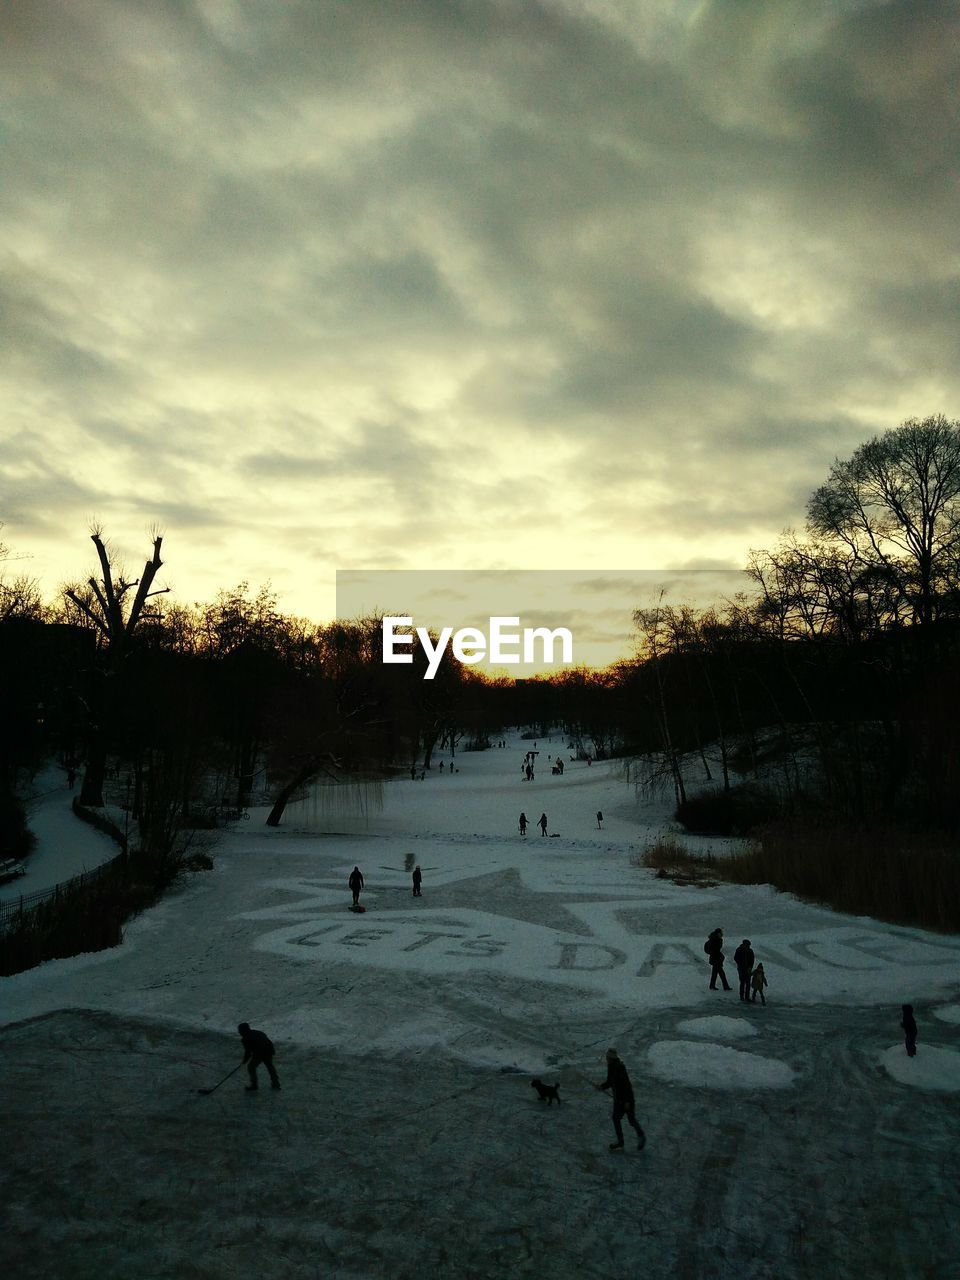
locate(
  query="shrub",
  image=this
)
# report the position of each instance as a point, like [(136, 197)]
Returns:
[(904, 876), (738, 812)]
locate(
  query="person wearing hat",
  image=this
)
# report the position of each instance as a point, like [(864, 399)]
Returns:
[(714, 949), (619, 1083), (744, 959), (257, 1048)]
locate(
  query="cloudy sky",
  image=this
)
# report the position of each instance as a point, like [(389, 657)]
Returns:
[(461, 284)]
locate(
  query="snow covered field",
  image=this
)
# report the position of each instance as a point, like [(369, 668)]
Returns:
[(791, 1140)]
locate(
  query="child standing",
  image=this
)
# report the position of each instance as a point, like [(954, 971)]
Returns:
[(909, 1030), (757, 982)]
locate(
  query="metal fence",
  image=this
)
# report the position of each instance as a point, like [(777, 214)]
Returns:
[(13, 910)]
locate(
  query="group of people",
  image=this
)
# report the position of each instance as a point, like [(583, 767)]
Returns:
[(355, 883), (749, 971), (523, 823)]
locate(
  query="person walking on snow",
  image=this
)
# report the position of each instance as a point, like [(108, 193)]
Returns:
[(599, 820), (542, 824), (356, 884), (758, 982), (623, 1105), (417, 877), (523, 824), (743, 958), (909, 1030), (714, 949), (257, 1048)]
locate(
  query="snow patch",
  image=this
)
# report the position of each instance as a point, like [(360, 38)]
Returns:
[(932, 1068), (948, 1013), (714, 1066)]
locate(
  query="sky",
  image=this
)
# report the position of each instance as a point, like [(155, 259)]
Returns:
[(429, 284)]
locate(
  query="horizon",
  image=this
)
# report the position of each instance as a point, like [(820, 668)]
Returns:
[(398, 286)]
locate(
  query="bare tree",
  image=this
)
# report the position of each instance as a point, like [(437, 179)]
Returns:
[(895, 506), (114, 607)]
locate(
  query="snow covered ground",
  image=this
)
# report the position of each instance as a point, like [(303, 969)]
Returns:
[(66, 845), (788, 1140)]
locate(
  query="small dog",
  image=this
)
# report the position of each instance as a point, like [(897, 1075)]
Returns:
[(548, 1091)]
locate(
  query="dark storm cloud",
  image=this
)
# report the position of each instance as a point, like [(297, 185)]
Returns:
[(492, 282)]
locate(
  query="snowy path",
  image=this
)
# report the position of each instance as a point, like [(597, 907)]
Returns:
[(66, 845), (785, 1141)]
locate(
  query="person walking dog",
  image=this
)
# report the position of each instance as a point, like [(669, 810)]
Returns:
[(618, 1082)]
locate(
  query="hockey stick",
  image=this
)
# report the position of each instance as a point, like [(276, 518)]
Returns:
[(223, 1081)]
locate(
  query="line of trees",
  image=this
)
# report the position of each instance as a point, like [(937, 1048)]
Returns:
[(837, 675)]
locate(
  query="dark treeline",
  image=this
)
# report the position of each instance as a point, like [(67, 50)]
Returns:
[(829, 693)]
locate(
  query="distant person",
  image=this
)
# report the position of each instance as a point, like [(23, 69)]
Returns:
[(757, 982), (441, 766), (599, 820), (413, 773), (71, 778), (257, 1049), (909, 1025), (744, 959), (356, 884), (714, 949), (417, 878), (623, 1105), (523, 824), (542, 824)]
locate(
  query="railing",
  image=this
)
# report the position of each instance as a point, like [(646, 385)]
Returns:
[(12, 911)]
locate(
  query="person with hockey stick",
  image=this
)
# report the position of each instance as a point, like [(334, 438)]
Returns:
[(257, 1048)]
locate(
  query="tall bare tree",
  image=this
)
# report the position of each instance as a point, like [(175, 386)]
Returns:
[(114, 607)]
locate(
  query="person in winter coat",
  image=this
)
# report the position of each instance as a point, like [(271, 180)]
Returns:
[(909, 1025), (257, 1048), (618, 1082), (356, 884), (523, 824), (758, 981), (743, 958), (599, 820), (417, 877), (542, 824), (714, 949)]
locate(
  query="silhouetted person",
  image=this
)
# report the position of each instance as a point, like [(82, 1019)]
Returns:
[(599, 820), (523, 824), (417, 877), (743, 958), (757, 982), (619, 1083), (542, 824), (714, 949), (257, 1048), (356, 884), (909, 1030)]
